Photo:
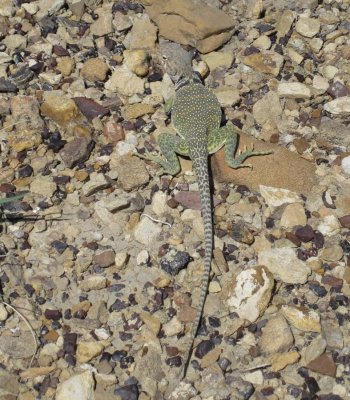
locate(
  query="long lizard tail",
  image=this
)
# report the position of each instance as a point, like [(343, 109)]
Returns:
[(200, 166)]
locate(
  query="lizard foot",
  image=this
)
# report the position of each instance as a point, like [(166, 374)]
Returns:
[(243, 155)]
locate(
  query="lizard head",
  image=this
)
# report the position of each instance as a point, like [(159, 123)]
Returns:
[(177, 61)]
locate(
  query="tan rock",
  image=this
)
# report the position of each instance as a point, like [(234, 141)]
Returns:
[(266, 61), (268, 108), (143, 34), (86, 351), (276, 336), (31, 373), (94, 69), (282, 169), (302, 318), (137, 61), (280, 361), (59, 108), (151, 321), (191, 22), (217, 59), (125, 82), (65, 65), (137, 110), (293, 214), (308, 27)]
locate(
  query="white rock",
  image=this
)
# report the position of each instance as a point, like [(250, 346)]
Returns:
[(250, 293), (255, 377), (102, 333), (124, 82), (7, 8), (227, 96), (78, 387), (121, 259), (329, 226), (48, 7), (339, 106), (142, 258), (97, 182), (320, 83), (308, 27), (293, 90), (3, 313), (123, 148), (284, 265), (268, 108), (275, 197), (173, 327), (293, 214), (329, 71), (345, 163), (159, 205), (147, 231), (15, 41)]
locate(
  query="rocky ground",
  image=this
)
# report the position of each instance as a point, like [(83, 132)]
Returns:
[(102, 258)]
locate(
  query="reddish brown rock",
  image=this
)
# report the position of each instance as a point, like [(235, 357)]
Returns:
[(282, 169), (324, 365)]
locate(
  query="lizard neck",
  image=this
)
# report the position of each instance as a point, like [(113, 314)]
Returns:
[(186, 80)]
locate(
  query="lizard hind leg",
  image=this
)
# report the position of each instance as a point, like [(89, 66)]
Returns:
[(170, 145), (227, 136)]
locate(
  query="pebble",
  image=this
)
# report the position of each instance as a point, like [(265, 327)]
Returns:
[(132, 172), (79, 386), (174, 263), (96, 183), (250, 292), (143, 34), (94, 69), (121, 260), (105, 258), (313, 350), (124, 82), (103, 25), (152, 322), (280, 361), (293, 90), (293, 215), (147, 232), (302, 318), (43, 186), (227, 96), (121, 22), (93, 283), (86, 351), (284, 265), (308, 27), (339, 106), (324, 365), (332, 334), (345, 164), (217, 59), (268, 108), (266, 61), (276, 336), (3, 313), (75, 151), (332, 252), (329, 225), (275, 197), (59, 108), (137, 61), (137, 110)]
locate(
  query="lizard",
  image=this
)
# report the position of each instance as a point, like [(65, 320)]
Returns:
[(196, 117)]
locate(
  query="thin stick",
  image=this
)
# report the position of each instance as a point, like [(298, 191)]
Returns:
[(156, 220), (30, 329)]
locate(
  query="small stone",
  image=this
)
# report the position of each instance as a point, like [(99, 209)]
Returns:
[(345, 221), (329, 226), (285, 265), (103, 25), (126, 83), (267, 62), (293, 90), (302, 318), (332, 253), (137, 110), (217, 59), (332, 334), (75, 151), (137, 61), (43, 186), (94, 69), (345, 164), (32, 373), (308, 27), (90, 108), (151, 321), (250, 293), (159, 203), (268, 108), (280, 361), (77, 387), (65, 65), (173, 264), (275, 197), (305, 233), (121, 260), (113, 131), (320, 83), (143, 34), (255, 377), (339, 106), (147, 231), (329, 71), (53, 315), (121, 22), (263, 42), (93, 283), (60, 109), (227, 96), (276, 336), (3, 313), (293, 215), (324, 365), (105, 258), (17, 347), (173, 327), (214, 287), (13, 42), (337, 89), (96, 183), (316, 44), (86, 351), (314, 350), (285, 22), (131, 172), (203, 348)]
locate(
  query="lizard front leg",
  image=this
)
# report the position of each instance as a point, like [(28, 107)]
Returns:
[(170, 145), (227, 136)]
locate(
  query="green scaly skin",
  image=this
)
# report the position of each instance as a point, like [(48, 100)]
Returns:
[(196, 116)]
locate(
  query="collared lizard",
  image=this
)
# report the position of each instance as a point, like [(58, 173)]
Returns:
[(196, 116)]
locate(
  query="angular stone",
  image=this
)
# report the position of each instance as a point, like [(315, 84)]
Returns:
[(78, 150), (97, 182), (293, 90), (268, 108), (137, 61), (285, 265), (308, 27), (280, 361), (103, 25), (124, 82), (137, 110), (191, 22), (339, 106), (77, 387), (276, 336), (293, 215), (323, 365), (131, 172), (44, 186), (302, 318), (143, 34), (94, 69), (332, 333), (147, 231), (93, 283), (217, 59), (250, 292), (86, 351), (314, 350), (59, 108), (267, 62)]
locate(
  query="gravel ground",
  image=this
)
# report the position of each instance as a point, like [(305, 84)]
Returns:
[(100, 261)]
